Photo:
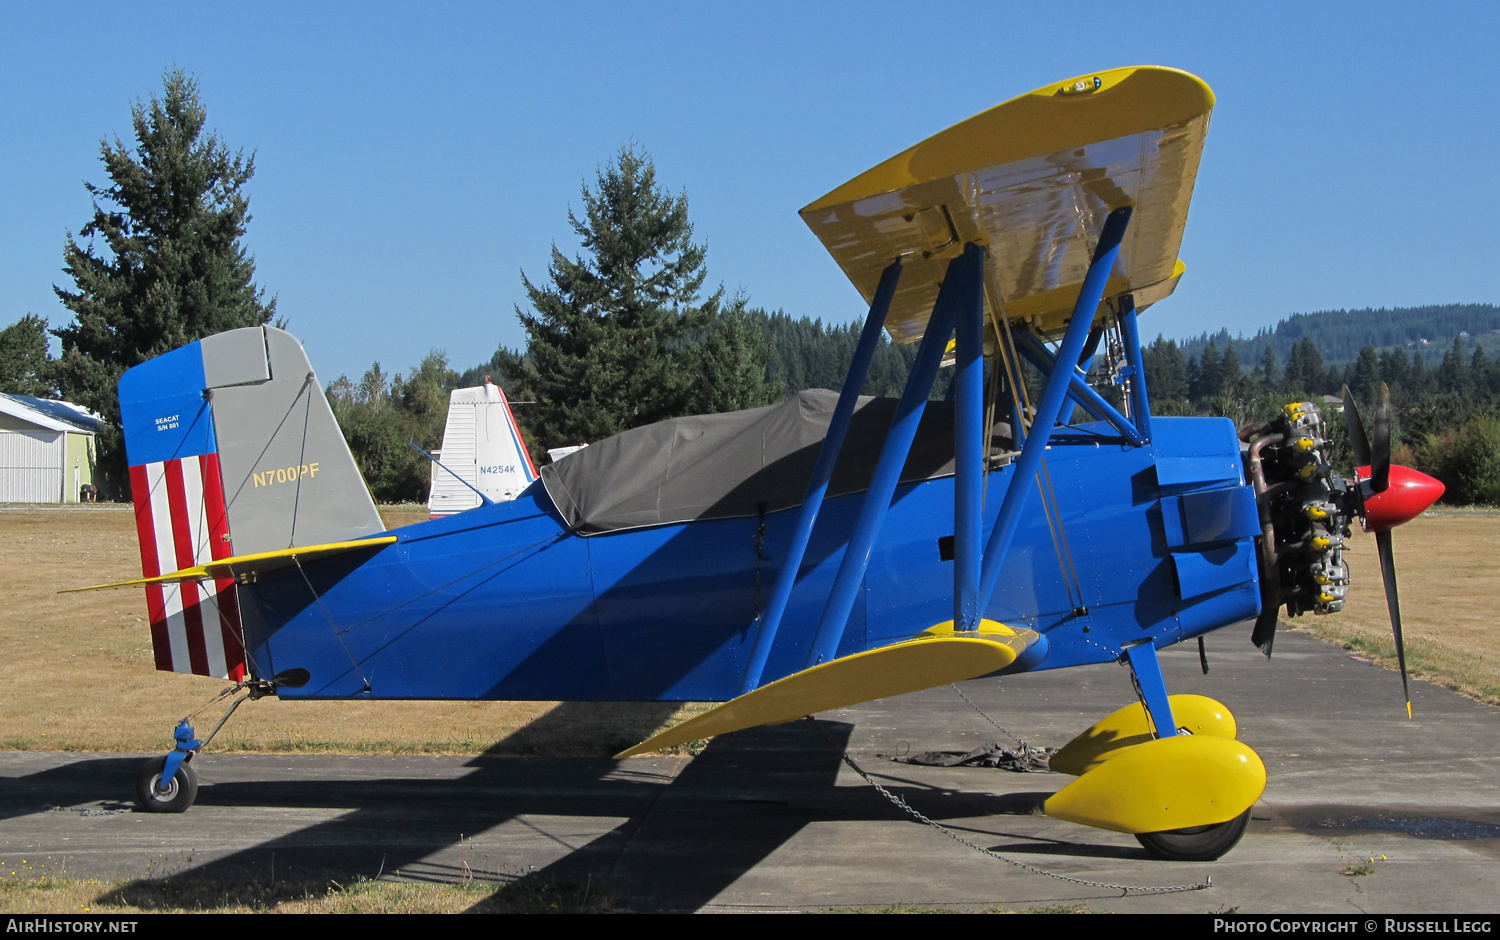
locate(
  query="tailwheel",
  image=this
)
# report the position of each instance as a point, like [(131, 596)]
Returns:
[(173, 796), (1196, 843)]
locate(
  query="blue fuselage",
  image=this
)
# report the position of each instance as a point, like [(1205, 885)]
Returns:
[(502, 602)]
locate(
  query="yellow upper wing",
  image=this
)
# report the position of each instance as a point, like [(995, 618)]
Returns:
[(1032, 178)]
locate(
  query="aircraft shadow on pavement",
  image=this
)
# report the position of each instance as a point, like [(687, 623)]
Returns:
[(106, 781), (676, 843)]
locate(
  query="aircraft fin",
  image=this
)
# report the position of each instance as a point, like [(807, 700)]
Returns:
[(483, 452), (231, 445), (910, 666)]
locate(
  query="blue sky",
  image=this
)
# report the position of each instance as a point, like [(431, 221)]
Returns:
[(412, 160)]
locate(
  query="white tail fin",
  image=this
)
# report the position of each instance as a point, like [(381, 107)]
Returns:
[(482, 447)]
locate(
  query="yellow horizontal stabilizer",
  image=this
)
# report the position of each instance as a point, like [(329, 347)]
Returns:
[(1033, 179), (1167, 783), (1129, 726), (909, 666), (257, 563)]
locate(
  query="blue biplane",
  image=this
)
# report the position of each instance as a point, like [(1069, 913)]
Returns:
[(829, 550)]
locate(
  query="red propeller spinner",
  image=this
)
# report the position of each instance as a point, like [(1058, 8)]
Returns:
[(1408, 495)]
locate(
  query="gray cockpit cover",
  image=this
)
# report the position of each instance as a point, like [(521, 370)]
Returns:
[(739, 464)]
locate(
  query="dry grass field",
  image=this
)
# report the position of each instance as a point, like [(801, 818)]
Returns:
[(76, 669), (30, 892), (1448, 567)]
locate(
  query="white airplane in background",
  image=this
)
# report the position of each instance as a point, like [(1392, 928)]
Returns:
[(482, 452)]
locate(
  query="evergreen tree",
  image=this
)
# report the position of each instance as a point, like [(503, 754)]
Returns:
[(1294, 368), (1166, 371), (1395, 371), (1420, 380), (789, 340), (612, 341), (26, 368), (1453, 374), (169, 268), (1210, 374), (807, 353), (1267, 375), (733, 358), (1304, 369), (1364, 377), (1481, 373), (1331, 383), (1230, 373)]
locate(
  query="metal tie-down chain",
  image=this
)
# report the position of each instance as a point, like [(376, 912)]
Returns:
[(909, 810), (1020, 744)]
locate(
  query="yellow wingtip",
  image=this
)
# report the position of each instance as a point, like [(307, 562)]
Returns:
[(183, 575)]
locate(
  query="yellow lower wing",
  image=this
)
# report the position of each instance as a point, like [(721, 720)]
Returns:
[(909, 666), (247, 564)]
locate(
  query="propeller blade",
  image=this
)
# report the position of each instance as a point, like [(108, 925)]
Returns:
[(1357, 439), (1264, 635), (1380, 468), (1393, 604)]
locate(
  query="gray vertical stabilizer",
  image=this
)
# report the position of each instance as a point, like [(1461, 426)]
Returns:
[(289, 479)]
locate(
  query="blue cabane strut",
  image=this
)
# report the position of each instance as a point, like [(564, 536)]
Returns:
[(959, 309)]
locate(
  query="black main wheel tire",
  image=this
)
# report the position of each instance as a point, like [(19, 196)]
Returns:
[(1196, 843), (179, 795)]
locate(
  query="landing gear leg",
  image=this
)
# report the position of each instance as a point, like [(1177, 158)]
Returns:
[(169, 784)]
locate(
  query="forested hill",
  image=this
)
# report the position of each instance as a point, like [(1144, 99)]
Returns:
[(806, 353), (1446, 390), (801, 353), (1339, 335)]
